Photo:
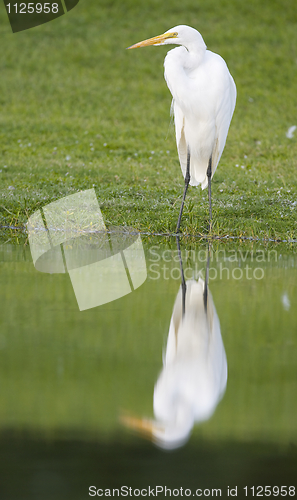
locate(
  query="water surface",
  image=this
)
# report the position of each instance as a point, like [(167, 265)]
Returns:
[(77, 384)]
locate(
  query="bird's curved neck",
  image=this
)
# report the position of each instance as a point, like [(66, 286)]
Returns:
[(195, 57), (196, 49), (189, 57)]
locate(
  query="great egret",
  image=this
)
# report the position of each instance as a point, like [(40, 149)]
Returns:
[(204, 95), (194, 375)]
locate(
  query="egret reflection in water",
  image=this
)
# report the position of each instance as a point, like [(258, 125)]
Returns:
[(194, 375)]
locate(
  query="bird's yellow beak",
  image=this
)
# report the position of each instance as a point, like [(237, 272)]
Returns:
[(156, 40), (141, 425)]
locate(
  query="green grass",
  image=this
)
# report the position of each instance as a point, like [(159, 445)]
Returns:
[(78, 110)]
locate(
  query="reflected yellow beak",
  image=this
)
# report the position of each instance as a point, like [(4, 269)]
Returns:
[(141, 425), (154, 41)]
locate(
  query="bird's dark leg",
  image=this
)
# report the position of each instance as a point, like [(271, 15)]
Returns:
[(187, 180), (205, 292), (209, 170), (183, 282)]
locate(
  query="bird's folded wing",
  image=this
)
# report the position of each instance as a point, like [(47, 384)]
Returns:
[(223, 119)]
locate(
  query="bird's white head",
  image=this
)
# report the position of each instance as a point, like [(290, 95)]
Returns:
[(166, 435), (179, 35)]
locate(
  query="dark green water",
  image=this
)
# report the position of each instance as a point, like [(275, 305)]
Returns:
[(67, 376)]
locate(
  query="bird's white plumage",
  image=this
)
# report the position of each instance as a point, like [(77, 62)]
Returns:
[(194, 375), (204, 95)]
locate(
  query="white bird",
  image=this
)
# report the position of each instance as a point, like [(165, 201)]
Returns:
[(204, 95), (194, 375)]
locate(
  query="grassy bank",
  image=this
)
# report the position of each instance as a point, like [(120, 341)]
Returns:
[(78, 110)]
